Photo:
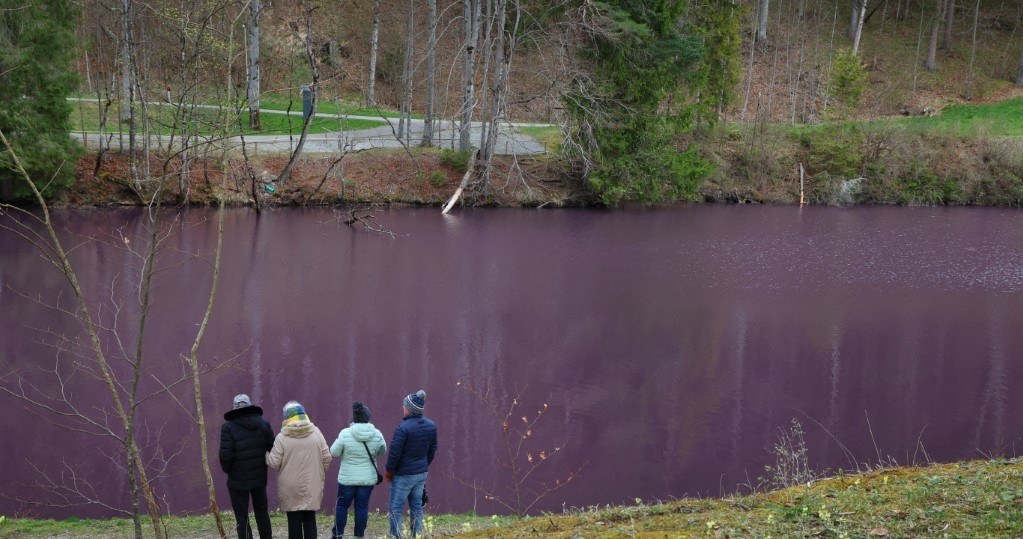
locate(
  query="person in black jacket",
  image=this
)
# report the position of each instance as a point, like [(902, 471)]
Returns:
[(408, 461), (245, 440)]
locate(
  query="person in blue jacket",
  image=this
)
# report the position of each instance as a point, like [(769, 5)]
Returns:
[(244, 440), (408, 461)]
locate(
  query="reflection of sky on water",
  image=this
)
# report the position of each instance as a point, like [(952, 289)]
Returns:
[(670, 345)]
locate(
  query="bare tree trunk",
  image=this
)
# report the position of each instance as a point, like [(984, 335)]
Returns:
[(973, 52), (932, 49), (762, 18), (431, 73), (854, 19), (374, 41), (252, 54), (1019, 72), (471, 34), (859, 25), (127, 73), (405, 119), (314, 88), (950, 16), (193, 363)]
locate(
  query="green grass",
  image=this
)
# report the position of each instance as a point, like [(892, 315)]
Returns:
[(203, 526), (961, 500), (550, 136), (86, 117), (1004, 118), (282, 102)]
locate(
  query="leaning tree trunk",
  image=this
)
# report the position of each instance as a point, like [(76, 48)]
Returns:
[(854, 19), (431, 73), (374, 41), (252, 90), (859, 25)]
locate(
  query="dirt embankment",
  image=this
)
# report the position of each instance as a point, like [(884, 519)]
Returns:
[(841, 166), (376, 176)]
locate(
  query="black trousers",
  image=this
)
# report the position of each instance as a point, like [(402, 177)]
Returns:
[(301, 524), (240, 505)]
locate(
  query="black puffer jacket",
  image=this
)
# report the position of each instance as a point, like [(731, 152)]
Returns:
[(244, 441)]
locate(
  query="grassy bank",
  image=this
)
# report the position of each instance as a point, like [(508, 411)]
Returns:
[(977, 499)]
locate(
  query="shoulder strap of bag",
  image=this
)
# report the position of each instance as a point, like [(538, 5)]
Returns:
[(370, 455)]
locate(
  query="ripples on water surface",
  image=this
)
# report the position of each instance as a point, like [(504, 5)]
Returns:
[(670, 344)]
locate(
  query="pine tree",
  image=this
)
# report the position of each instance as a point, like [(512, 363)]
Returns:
[(36, 51)]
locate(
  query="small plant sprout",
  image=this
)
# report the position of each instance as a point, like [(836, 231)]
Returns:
[(524, 487)]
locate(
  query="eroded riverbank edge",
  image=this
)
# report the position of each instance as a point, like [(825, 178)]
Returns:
[(840, 166), (980, 498)]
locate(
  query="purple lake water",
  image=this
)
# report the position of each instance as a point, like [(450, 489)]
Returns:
[(669, 345)]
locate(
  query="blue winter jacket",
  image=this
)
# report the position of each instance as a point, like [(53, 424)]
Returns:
[(413, 446)]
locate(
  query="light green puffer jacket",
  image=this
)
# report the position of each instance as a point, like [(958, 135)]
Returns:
[(356, 468)]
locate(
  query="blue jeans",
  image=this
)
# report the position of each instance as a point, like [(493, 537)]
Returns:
[(346, 494), (407, 488)]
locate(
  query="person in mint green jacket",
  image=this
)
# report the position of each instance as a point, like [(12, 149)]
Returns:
[(357, 446)]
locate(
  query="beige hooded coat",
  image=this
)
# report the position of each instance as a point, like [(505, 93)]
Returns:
[(301, 454)]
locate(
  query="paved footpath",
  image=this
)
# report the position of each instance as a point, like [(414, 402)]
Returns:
[(509, 141)]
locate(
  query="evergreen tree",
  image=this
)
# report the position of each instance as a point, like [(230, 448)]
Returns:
[(628, 112), (36, 51)]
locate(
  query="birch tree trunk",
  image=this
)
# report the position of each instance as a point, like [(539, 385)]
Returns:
[(252, 90), (374, 42), (471, 33), (762, 18), (431, 73), (859, 25), (854, 19)]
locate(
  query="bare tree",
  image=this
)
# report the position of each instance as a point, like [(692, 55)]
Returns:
[(309, 7), (762, 18), (862, 6), (950, 16), (1019, 72), (252, 57), (431, 74), (471, 35), (932, 49), (374, 45), (405, 108)]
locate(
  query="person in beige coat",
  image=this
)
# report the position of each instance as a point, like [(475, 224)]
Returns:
[(301, 455)]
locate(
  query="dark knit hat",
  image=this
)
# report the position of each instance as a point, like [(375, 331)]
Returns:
[(360, 413), (415, 402)]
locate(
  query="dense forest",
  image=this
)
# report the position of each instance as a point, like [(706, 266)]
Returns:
[(638, 90)]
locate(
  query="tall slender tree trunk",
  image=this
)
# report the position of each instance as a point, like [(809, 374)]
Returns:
[(859, 26), (762, 18), (405, 121), (950, 16), (252, 55), (471, 33), (431, 74), (374, 41), (1019, 72), (932, 48), (127, 71), (854, 19), (973, 52)]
